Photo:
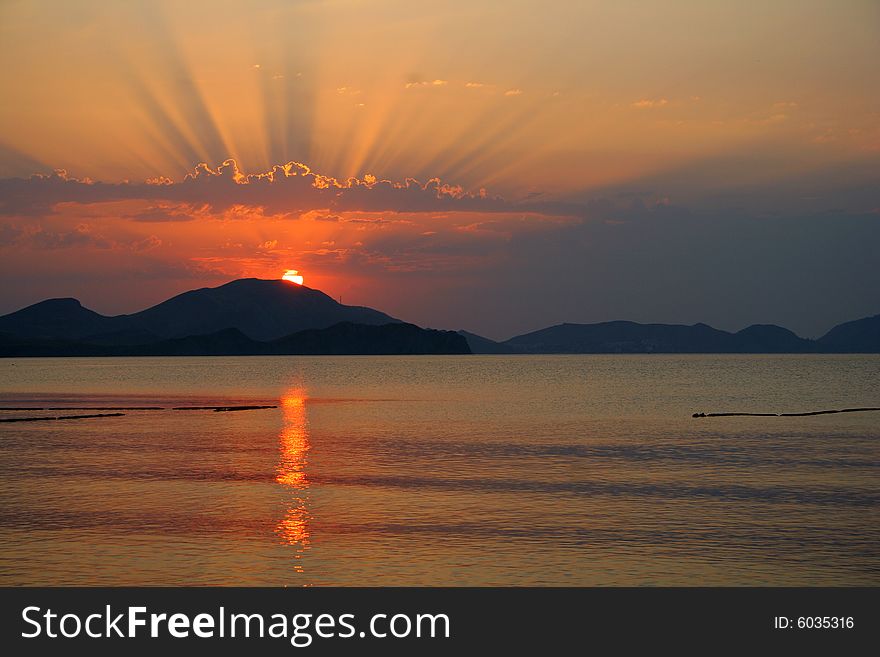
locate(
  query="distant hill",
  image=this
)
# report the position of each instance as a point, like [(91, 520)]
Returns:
[(344, 338), (59, 319), (17, 346), (770, 339), (227, 342), (859, 336), (633, 338), (623, 337), (480, 345), (347, 338), (260, 309)]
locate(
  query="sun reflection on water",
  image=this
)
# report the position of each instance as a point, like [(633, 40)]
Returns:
[(293, 529)]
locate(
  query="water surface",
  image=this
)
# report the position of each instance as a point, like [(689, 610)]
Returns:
[(455, 470)]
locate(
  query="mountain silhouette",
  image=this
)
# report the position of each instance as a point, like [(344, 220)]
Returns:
[(859, 336), (347, 338), (59, 319), (244, 317), (344, 338), (261, 309), (480, 345), (769, 338), (263, 317), (621, 337)]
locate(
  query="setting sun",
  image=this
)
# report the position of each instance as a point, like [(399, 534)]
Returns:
[(293, 276)]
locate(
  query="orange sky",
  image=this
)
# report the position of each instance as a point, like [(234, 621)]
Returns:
[(563, 112)]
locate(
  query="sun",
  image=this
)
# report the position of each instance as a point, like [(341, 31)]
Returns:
[(293, 276)]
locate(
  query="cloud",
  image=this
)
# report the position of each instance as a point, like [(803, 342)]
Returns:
[(9, 234), (650, 103), (81, 236), (41, 238), (285, 190), (513, 92), (325, 217), (146, 244), (425, 83), (167, 212)]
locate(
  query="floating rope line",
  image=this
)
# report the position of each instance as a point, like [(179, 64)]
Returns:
[(220, 409), (842, 410), (58, 417), (216, 409)]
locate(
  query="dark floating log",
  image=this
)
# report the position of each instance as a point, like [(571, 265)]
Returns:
[(735, 414), (842, 410), (81, 408), (58, 417), (132, 408), (220, 409), (224, 409)]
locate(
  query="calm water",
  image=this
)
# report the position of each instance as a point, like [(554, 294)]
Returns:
[(546, 470)]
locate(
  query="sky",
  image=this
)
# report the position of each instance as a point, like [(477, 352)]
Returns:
[(482, 165)]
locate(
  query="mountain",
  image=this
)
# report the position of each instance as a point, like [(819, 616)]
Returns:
[(480, 345), (260, 317), (859, 336), (770, 339), (623, 337), (350, 339), (227, 342), (59, 319), (632, 338), (343, 338), (18, 346), (261, 309)]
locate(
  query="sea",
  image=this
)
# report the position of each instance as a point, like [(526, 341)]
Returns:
[(560, 470)]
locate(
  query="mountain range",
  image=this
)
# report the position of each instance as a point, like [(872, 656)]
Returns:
[(619, 337), (270, 317), (244, 317), (260, 309)]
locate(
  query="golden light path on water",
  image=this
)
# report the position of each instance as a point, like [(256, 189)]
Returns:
[(293, 528)]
